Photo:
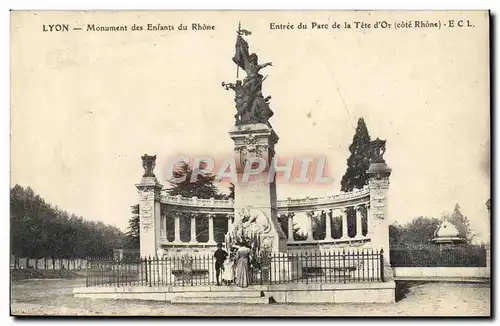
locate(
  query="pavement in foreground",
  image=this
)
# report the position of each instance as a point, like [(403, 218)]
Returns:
[(54, 297)]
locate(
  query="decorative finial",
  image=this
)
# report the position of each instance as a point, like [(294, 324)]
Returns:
[(148, 163), (378, 150)]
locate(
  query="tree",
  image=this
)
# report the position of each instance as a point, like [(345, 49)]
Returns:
[(133, 229), (418, 232), (203, 187), (297, 235), (462, 224), (319, 226), (39, 230), (355, 176), (358, 162), (231, 192)]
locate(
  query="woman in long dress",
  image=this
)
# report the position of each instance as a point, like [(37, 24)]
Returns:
[(243, 267)]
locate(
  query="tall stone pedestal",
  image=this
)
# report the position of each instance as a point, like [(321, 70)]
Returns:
[(378, 224), (255, 195), (149, 215)]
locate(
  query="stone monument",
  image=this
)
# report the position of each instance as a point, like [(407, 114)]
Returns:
[(149, 208), (378, 184), (254, 141)]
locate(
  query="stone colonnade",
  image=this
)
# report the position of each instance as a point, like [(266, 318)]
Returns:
[(330, 214), (361, 210), (192, 216)]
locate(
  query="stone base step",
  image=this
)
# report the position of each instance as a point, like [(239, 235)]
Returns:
[(220, 294), (215, 300)]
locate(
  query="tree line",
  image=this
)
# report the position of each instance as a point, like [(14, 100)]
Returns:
[(421, 229), (41, 230)]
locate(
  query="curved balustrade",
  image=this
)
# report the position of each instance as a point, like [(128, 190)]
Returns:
[(195, 202), (328, 202), (197, 205), (288, 205)]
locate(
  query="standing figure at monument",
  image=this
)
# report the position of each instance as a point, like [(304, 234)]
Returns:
[(228, 274), (220, 256), (243, 267)]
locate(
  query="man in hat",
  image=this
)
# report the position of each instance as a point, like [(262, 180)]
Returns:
[(220, 256)]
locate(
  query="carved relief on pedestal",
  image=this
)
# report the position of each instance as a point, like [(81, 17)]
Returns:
[(146, 194), (146, 216), (250, 148), (378, 194), (267, 243), (146, 201), (378, 210), (157, 194), (379, 183), (252, 221)]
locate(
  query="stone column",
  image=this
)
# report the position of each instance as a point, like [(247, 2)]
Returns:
[(177, 227), (211, 239), (368, 214), (162, 235), (163, 228), (193, 229), (378, 225), (310, 235), (290, 227), (229, 222), (328, 226), (345, 231), (149, 191), (359, 221)]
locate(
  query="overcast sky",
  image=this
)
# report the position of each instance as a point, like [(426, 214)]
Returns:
[(86, 106)]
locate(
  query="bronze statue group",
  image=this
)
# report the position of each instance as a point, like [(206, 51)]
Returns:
[(251, 105)]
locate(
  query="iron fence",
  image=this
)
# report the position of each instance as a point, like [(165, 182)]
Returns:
[(364, 265), (47, 263), (439, 256)]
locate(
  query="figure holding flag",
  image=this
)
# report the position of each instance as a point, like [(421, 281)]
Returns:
[(251, 105)]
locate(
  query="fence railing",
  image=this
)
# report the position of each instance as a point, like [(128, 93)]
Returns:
[(363, 265), (47, 263), (435, 256)]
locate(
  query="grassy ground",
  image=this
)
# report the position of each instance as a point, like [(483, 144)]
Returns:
[(54, 297)]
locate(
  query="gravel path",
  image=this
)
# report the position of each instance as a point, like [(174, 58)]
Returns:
[(54, 297)]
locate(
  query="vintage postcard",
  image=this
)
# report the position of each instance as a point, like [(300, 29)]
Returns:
[(234, 163)]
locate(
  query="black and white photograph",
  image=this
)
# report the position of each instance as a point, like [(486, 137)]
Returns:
[(250, 163)]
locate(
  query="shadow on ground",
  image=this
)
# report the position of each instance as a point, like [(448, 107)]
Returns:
[(402, 290)]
